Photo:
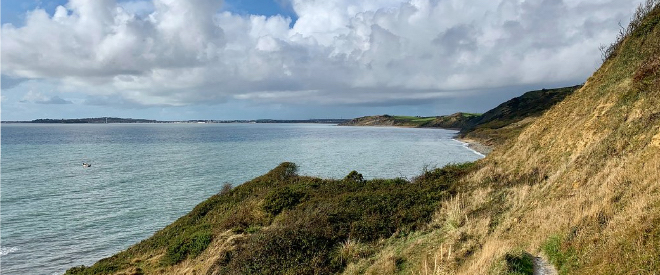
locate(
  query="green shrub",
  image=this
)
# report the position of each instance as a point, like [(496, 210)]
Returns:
[(354, 176), (226, 188), (519, 262), (284, 171), (76, 270), (188, 246), (281, 199), (302, 248)]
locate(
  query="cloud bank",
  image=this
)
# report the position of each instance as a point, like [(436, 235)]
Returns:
[(380, 52), (39, 98)]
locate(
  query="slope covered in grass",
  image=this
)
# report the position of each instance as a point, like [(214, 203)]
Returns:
[(388, 120), (581, 184), (508, 119)]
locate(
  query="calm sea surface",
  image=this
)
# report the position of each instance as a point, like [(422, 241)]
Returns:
[(55, 214)]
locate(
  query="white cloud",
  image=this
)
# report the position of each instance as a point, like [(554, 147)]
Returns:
[(170, 52), (39, 98)]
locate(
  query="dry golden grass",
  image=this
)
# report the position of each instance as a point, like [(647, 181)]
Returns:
[(586, 173), (203, 264)]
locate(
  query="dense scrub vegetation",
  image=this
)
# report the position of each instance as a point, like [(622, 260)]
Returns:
[(315, 221)]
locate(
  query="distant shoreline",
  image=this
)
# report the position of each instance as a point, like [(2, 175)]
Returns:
[(114, 120), (471, 144)]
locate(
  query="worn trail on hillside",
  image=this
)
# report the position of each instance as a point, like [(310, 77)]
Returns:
[(543, 267)]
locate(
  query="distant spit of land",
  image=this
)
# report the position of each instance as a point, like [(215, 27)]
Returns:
[(133, 120)]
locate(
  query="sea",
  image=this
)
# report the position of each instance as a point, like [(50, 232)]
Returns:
[(56, 214)]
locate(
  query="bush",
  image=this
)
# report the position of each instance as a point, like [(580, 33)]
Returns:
[(284, 171), (226, 188), (189, 246), (320, 215), (354, 176), (302, 246), (278, 200), (104, 266)]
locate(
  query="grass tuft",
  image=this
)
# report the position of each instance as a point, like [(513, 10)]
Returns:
[(519, 262), (562, 256)]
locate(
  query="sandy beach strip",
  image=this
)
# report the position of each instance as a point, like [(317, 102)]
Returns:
[(476, 146)]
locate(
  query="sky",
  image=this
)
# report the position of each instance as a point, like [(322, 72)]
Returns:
[(292, 59)]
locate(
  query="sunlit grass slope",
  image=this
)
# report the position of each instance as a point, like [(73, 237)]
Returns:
[(580, 185)]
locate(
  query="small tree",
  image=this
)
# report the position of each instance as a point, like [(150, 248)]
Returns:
[(354, 176)]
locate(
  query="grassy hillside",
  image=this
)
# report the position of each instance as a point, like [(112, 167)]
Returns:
[(506, 121), (453, 121), (388, 120), (580, 184)]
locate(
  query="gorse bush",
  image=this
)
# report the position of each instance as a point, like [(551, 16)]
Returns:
[(320, 217), (104, 266), (284, 171)]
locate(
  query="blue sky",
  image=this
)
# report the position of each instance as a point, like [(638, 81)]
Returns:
[(292, 59), (13, 11)]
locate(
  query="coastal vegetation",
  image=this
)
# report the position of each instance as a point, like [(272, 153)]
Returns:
[(580, 184), (323, 225)]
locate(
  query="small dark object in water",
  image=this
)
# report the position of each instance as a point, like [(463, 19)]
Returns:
[(87, 164)]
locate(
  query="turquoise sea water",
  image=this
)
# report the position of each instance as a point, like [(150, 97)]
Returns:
[(55, 214)]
